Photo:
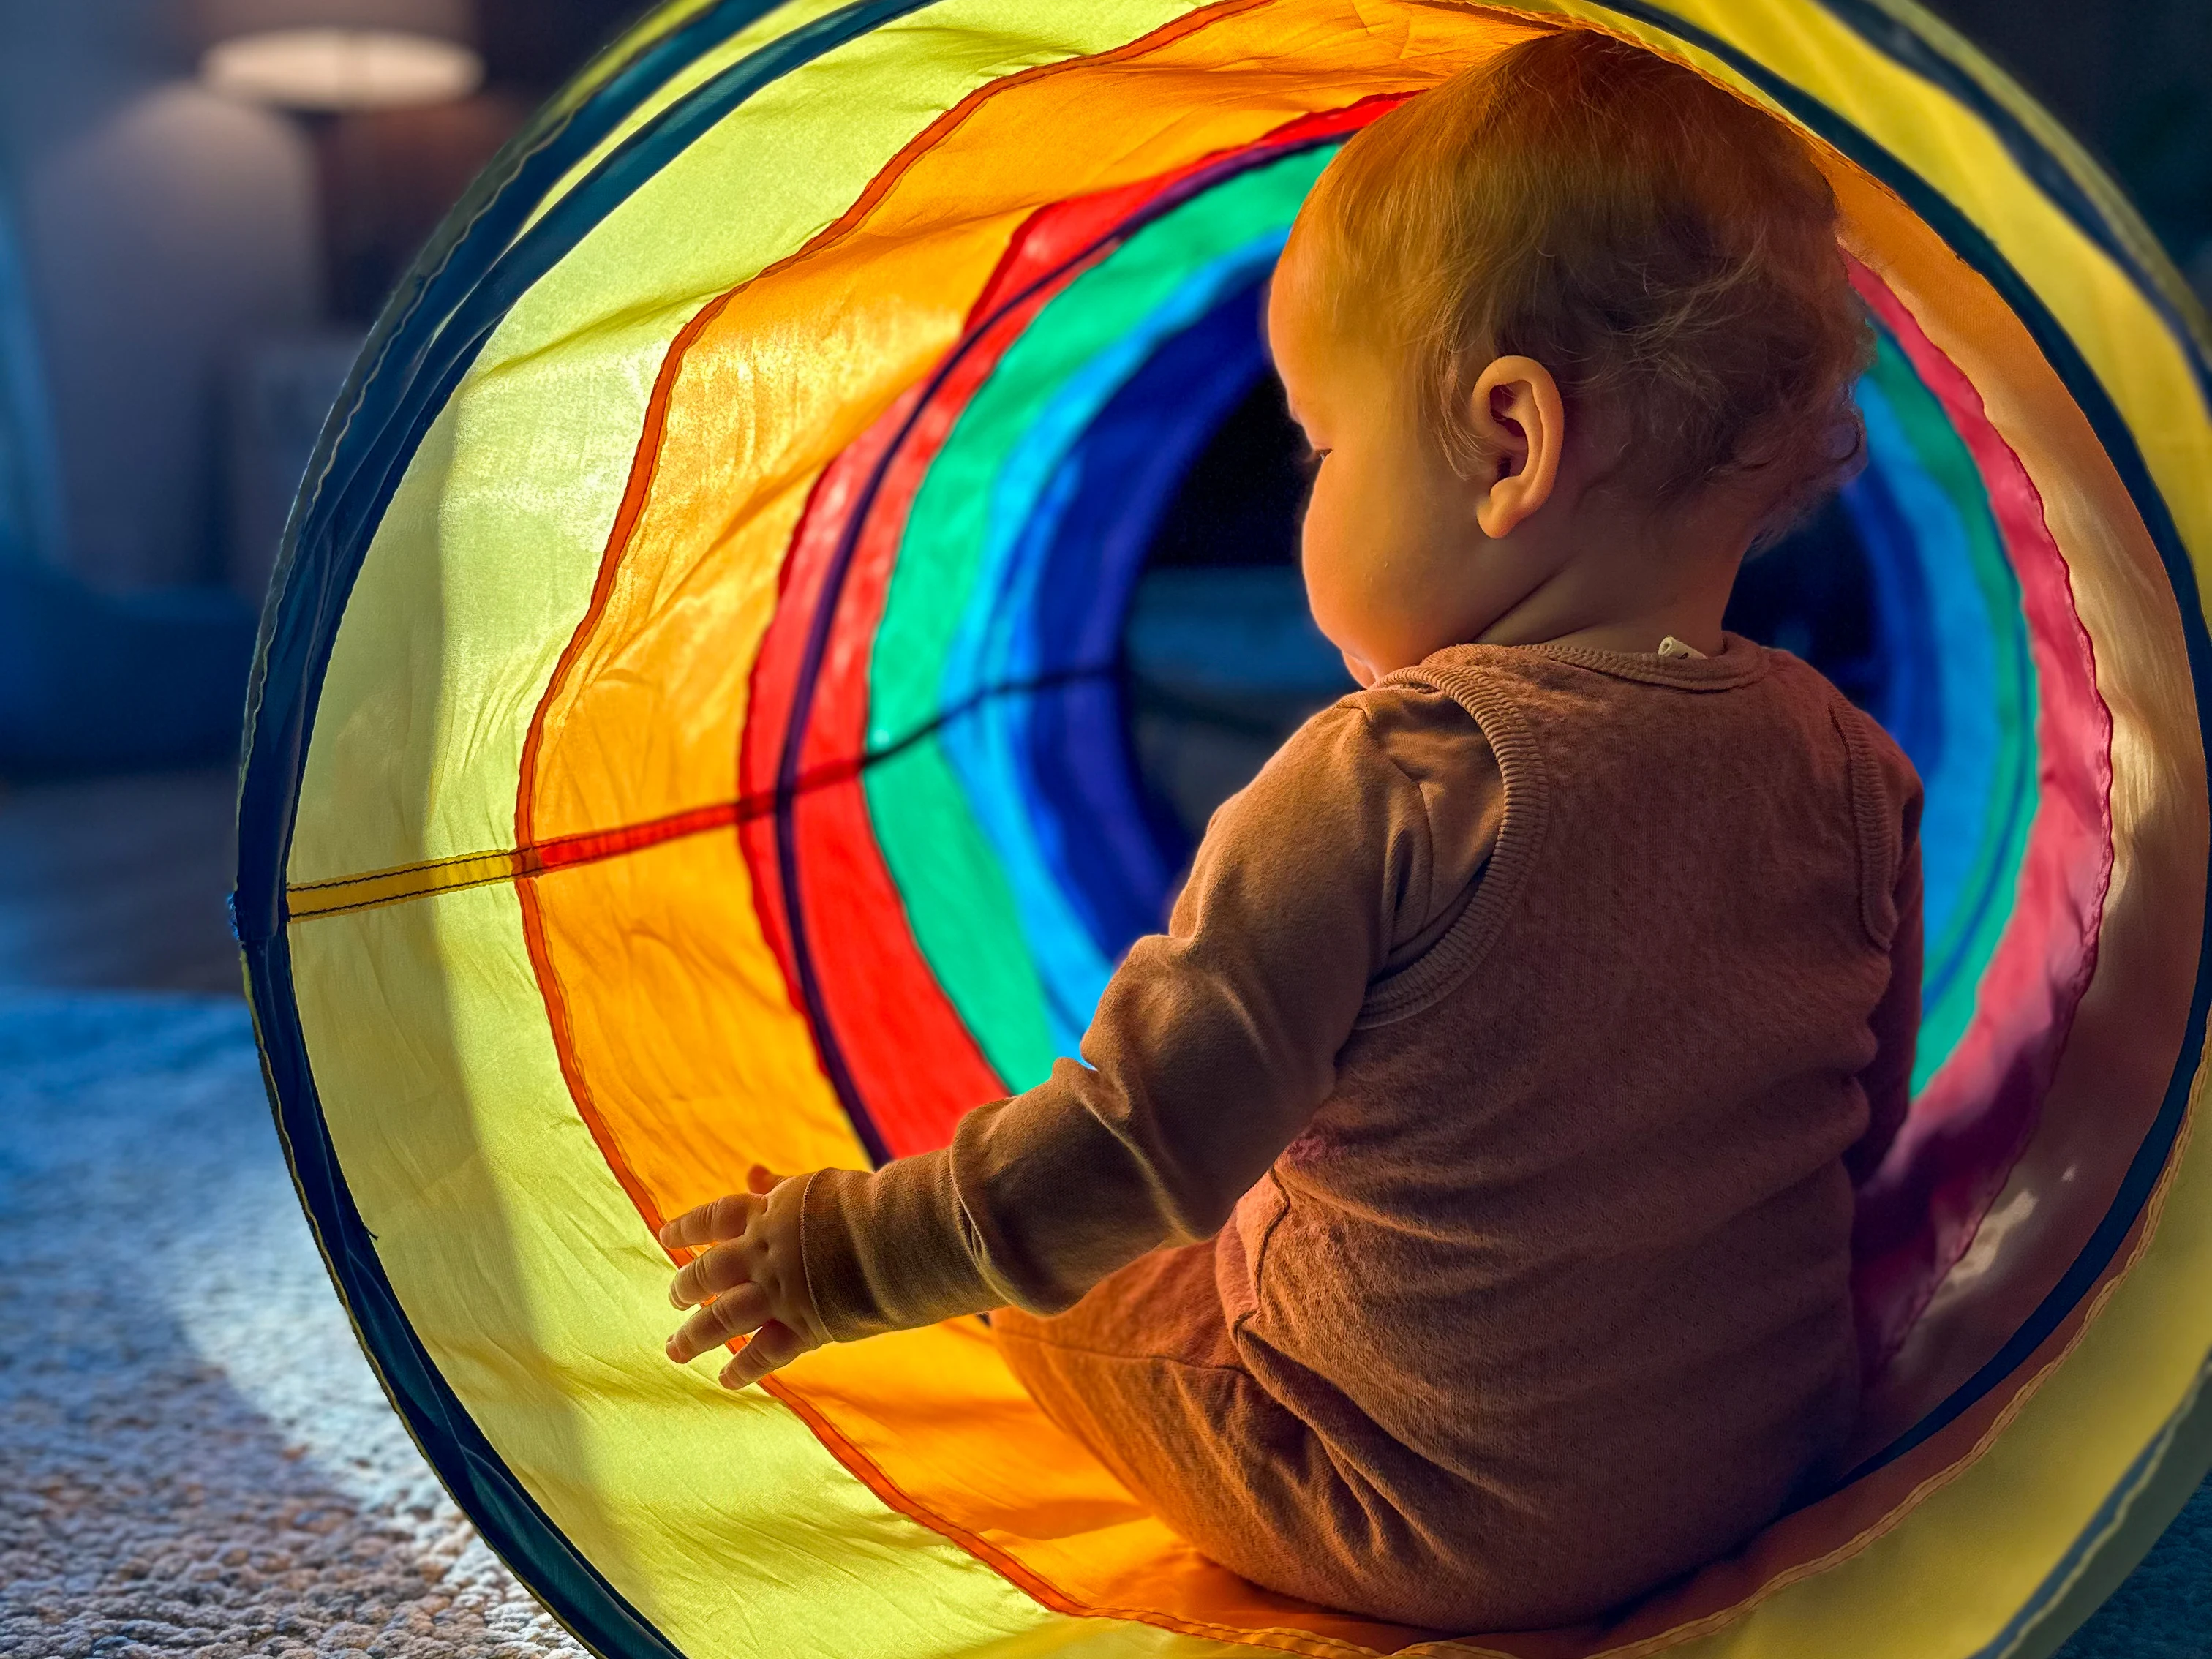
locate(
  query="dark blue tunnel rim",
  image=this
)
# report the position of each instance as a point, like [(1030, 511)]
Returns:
[(303, 617), (437, 334)]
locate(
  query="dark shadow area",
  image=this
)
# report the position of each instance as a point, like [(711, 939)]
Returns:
[(1811, 594), (118, 883), (94, 682), (1222, 659), (1241, 503)]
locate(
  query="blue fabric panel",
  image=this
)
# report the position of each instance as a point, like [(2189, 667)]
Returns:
[(997, 652), (1117, 863)]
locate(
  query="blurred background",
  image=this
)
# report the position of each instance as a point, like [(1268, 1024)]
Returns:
[(202, 205)]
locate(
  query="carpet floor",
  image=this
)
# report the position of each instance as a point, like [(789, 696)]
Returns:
[(197, 1458)]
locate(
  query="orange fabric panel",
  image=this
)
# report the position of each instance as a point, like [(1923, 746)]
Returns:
[(642, 963), (959, 1446)]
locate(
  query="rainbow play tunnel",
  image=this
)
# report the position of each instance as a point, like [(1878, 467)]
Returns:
[(695, 729)]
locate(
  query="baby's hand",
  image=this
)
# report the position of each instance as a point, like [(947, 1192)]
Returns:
[(747, 1280)]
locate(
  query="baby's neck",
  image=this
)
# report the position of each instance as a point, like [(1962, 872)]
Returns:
[(1626, 582), (1580, 608)]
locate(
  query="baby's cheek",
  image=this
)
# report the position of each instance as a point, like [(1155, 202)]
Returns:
[(1331, 573)]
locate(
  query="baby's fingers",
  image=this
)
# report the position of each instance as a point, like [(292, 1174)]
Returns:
[(710, 1275), (774, 1346), (724, 1220), (742, 1311)]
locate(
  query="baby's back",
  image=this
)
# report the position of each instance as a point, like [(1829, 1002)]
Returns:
[(1573, 1228)]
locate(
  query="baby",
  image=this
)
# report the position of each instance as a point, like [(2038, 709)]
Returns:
[(1450, 1220)]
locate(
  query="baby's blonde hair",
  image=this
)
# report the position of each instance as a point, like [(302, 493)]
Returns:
[(1667, 251)]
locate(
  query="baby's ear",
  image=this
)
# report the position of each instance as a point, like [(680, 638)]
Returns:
[(1519, 419)]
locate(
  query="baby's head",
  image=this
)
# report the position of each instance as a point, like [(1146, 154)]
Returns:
[(1568, 333)]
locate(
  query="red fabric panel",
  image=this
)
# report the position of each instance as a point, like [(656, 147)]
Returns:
[(1919, 1213)]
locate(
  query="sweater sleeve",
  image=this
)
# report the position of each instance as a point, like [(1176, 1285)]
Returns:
[(1212, 1045)]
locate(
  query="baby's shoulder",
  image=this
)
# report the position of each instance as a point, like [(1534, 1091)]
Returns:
[(1877, 758), (1419, 727)]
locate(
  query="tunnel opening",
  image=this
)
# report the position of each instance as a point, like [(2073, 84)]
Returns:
[(1222, 661)]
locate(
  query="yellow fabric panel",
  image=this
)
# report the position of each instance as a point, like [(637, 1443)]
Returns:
[(529, 1277), (477, 573), (483, 566), (794, 155), (2182, 1454), (698, 1067), (693, 75)]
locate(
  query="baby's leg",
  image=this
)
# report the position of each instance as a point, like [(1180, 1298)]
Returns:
[(1143, 1372)]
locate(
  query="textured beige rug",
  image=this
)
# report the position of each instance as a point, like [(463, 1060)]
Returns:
[(196, 1459)]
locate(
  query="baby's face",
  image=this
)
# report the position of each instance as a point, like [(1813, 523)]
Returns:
[(1395, 565)]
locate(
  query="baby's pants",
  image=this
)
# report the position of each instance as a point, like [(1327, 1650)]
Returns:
[(1143, 1371)]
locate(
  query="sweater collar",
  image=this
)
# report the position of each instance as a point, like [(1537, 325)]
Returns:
[(1738, 662)]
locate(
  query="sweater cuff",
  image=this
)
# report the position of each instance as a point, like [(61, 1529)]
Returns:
[(890, 1251)]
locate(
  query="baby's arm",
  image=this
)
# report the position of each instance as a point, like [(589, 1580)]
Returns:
[(1210, 1049)]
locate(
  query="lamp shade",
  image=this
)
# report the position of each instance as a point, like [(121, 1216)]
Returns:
[(338, 54)]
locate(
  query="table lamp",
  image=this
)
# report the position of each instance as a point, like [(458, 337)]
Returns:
[(330, 55)]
